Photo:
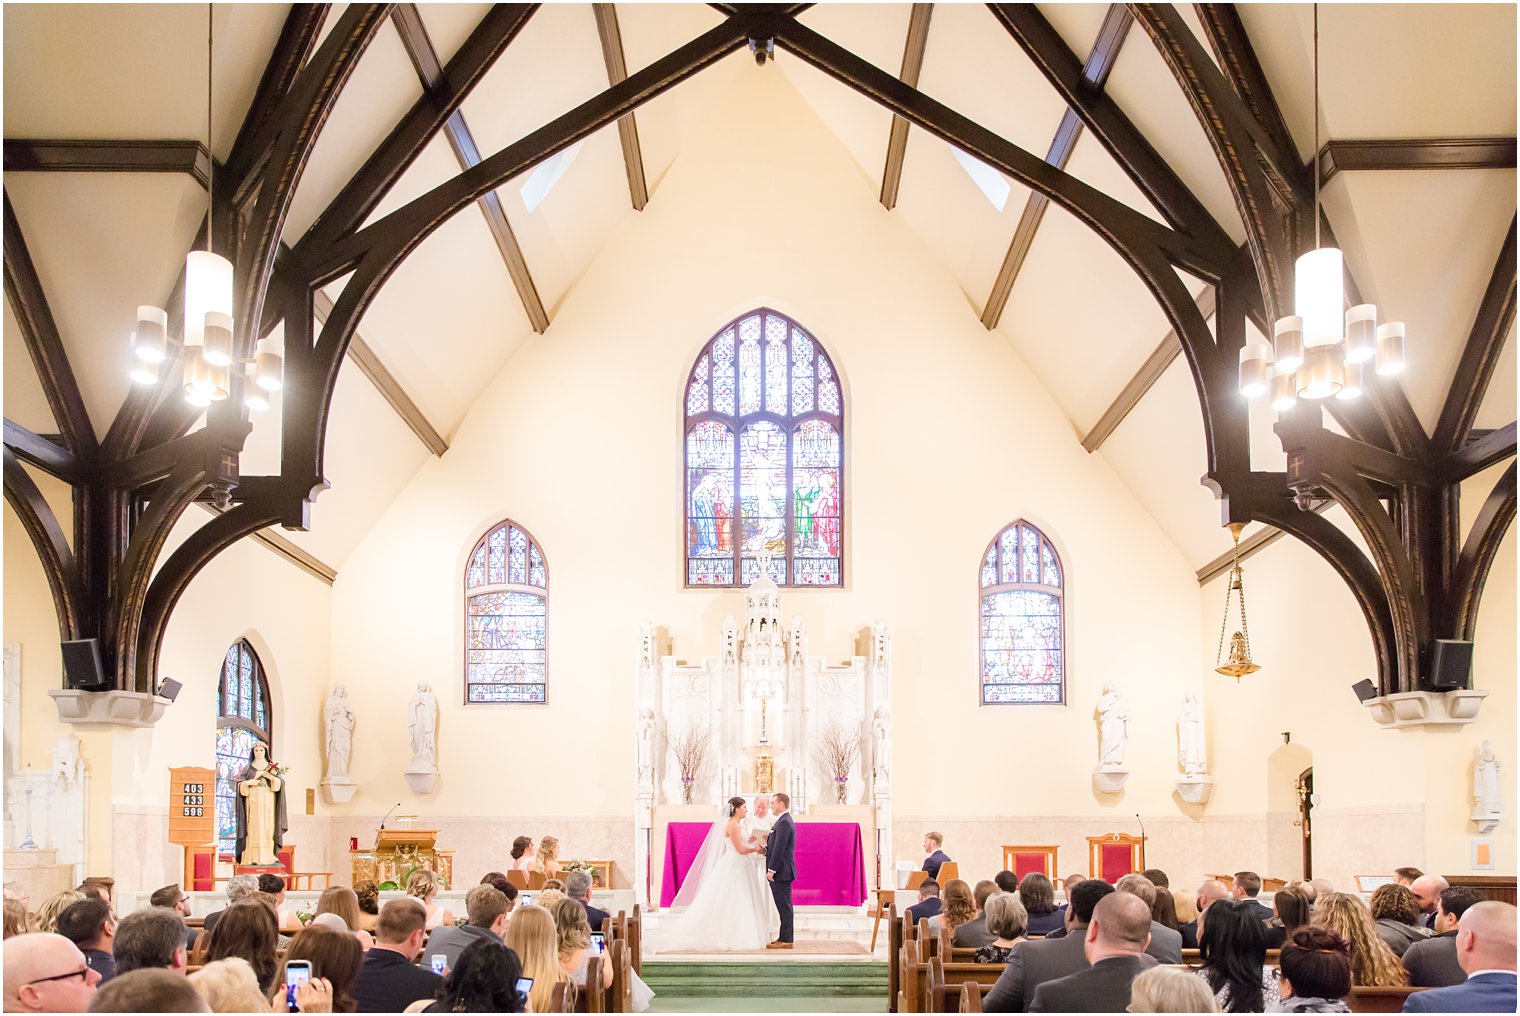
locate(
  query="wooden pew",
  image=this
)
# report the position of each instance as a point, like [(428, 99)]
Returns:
[(557, 1000), (1191, 958), (946, 979), (636, 940), (1379, 999), (971, 997), (894, 950), (912, 979), (620, 995)]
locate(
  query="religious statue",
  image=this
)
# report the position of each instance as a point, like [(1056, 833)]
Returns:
[(1488, 801), (422, 714), (260, 811), (1191, 754), (1113, 728), (338, 715)]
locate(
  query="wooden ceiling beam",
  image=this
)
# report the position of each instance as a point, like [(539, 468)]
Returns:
[(46, 454), (39, 155), (1149, 373), (1100, 61), (1490, 448), (628, 130), (1479, 551), (295, 45), (286, 549), (1480, 355), (912, 65), (430, 71), (1250, 546), (1349, 155), (57, 559)]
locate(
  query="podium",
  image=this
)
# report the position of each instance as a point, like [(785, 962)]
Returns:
[(399, 852)]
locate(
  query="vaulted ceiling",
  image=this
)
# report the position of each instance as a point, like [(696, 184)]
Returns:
[(1420, 242)]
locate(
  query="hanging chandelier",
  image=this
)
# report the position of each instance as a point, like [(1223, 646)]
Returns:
[(1322, 349), (206, 341), (1239, 663)]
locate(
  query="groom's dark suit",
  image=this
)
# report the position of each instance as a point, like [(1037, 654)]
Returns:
[(780, 852)]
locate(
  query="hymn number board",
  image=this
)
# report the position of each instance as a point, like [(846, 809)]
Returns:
[(192, 806)]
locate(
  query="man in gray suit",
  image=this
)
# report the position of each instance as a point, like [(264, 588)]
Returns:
[(1037, 961), (1115, 946), (1166, 944), (1432, 962)]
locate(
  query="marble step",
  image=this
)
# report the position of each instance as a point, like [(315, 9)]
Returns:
[(756, 980)]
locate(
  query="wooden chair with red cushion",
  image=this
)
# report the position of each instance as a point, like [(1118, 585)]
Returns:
[(1027, 860), (200, 869), (1113, 856)]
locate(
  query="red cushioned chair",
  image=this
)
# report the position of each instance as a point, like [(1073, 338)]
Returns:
[(1113, 856), (200, 869), (1024, 860)]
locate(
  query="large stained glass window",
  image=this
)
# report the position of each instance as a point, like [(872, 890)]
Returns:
[(1023, 619), (243, 718), (764, 457), (506, 587)]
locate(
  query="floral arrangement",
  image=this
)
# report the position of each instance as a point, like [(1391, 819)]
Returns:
[(304, 916)]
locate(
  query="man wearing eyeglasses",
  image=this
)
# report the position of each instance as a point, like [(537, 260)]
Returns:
[(170, 897), (47, 973)]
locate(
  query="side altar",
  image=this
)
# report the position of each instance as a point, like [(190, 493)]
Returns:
[(397, 853)]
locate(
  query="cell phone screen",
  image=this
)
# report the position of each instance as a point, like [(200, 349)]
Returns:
[(439, 961), (598, 942), (297, 973), (526, 900), (524, 985)]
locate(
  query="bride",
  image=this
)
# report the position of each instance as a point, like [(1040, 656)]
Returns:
[(728, 907)]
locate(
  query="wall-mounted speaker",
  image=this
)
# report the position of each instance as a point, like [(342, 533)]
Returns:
[(82, 669), (1451, 665), (169, 689), (1365, 690)]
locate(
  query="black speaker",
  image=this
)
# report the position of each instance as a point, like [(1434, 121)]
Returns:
[(169, 689), (1451, 665), (1365, 690), (82, 669)]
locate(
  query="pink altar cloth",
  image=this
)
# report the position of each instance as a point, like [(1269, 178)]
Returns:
[(831, 865)]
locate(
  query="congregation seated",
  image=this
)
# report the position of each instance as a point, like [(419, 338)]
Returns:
[(148, 991), (335, 957), (151, 939), (956, 908), (88, 924), (532, 936), (1164, 944), (368, 895), (173, 898), (933, 842), (389, 979), (928, 904), (239, 888), (483, 979), (546, 860), (1406, 876), (423, 884), (1006, 922), (486, 913), (1290, 911), (1114, 947), (1246, 887), (1035, 962), (1168, 989), (338, 906), (974, 933), (1233, 951), (1485, 947), (1373, 964), (230, 985), (1314, 971), (1039, 899), (1432, 962), (1396, 917), (45, 972), (578, 888), (247, 929)]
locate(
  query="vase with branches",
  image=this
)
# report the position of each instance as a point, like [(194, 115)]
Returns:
[(837, 748), (690, 745)]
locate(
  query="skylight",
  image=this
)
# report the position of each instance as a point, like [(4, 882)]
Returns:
[(985, 177), (543, 178)]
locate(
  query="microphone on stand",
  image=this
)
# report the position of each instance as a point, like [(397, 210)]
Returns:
[(389, 813), (1142, 839)]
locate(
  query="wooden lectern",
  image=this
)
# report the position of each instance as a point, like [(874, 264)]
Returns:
[(399, 852)]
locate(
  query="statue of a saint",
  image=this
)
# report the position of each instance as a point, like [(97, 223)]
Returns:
[(260, 811), (1191, 754), (1488, 800), (338, 715), (422, 713), (1113, 728)]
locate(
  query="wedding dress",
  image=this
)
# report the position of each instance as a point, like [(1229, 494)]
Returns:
[(728, 905)]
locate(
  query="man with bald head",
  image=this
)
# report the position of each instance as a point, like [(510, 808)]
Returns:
[(47, 973), (1115, 946), (1208, 893), (1486, 951), (1428, 889)]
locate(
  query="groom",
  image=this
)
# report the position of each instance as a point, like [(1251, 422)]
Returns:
[(781, 868)]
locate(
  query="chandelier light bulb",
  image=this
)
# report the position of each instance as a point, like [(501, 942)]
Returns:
[(1390, 348), (1361, 329), (144, 372), (219, 381), (217, 329), (1284, 391), (1288, 343), (1319, 295), (1255, 360), (1354, 384), (198, 380), (151, 340), (254, 397), (270, 371), (1323, 372)]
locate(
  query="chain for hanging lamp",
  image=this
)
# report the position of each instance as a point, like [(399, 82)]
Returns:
[(1239, 663)]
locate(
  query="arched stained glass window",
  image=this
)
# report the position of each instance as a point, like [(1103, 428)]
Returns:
[(506, 587), (243, 717), (764, 457), (1023, 644)]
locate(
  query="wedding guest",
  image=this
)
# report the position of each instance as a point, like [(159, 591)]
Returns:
[(1070, 882), (578, 888), (368, 894), (229, 985), (1006, 921), (957, 908), (523, 854), (553, 885), (1233, 951), (1208, 893), (333, 954), (1373, 964), (1406, 876), (1290, 911), (99, 885), (172, 897), (45, 972), (424, 885), (46, 918), (1164, 909), (1158, 878), (1168, 989), (1322, 887), (486, 910), (239, 888), (1486, 951), (933, 842), (1246, 888), (1396, 917), (88, 924), (1165, 944), (1035, 962), (483, 979), (573, 943), (547, 859), (1039, 899), (1431, 963), (1006, 881), (389, 979), (1428, 889), (274, 886), (532, 936), (151, 938), (499, 882), (974, 934), (1314, 971), (1115, 948), (342, 903), (148, 991), (17, 920), (548, 897), (1187, 916), (928, 901), (247, 929)]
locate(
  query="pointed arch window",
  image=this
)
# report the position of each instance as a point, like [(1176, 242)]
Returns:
[(506, 617), (1023, 630), (243, 718), (764, 457)]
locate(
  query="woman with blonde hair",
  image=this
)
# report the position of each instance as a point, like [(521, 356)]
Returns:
[(46, 918), (573, 935), (1170, 989), (546, 860), (229, 985), (17, 920), (958, 907), (424, 884), (341, 902), (532, 936), (1373, 964)]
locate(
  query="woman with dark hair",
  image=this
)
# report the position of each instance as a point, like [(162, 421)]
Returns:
[(1039, 899), (334, 955), (368, 894), (484, 979), (1315, 971), (522, 853), (1290, 911), (1233, 948), (1396, 917), (248, 929), (1164, 910)]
